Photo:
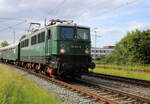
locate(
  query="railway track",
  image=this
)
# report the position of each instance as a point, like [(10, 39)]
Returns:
[(137, 82), (102, 96), (116, 95), (88, 94)]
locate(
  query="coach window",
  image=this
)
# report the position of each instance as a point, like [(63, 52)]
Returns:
[(22, 44), (49, 35), (26, 42), (41, 37), (33, 40)]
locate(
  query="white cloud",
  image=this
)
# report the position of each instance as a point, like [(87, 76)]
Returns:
[(139, 25), (131, 27), (6, 7), (112, 35), (62, 8), (87, 12), (3, 4)]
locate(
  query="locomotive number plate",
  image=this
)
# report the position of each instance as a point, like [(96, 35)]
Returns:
[(75, 46)]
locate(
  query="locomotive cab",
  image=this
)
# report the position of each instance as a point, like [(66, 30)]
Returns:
[(69, 46)]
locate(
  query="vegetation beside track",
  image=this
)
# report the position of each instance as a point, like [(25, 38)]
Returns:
[(135, 71), (130, 58), (134, 48), (124, 73), (16, 89), (126, 67)]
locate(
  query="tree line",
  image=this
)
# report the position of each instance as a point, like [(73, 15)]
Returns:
[(4, 44), (134, 48)]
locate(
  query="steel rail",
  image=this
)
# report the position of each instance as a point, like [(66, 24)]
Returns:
[(69, 86), (86, 92), (138, 82), (116, 91)]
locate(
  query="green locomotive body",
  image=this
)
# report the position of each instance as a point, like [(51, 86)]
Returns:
[(60, 49), (32, 49), (73, 49)]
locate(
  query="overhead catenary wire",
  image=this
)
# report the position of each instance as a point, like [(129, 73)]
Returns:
[(11, 19), (57, 7), (120, 6), (4, 20), (110, 10), (9, 27)]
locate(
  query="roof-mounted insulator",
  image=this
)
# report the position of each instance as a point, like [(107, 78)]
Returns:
[(53, 22)]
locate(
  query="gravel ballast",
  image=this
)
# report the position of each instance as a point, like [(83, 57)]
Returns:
[(66, 96)]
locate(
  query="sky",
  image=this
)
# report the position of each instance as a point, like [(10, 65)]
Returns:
[(110, 20)]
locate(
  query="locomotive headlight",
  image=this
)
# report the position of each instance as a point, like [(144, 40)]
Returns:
[(87, 51), (62, 51)]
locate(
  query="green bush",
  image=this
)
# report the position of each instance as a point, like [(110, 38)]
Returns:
[(132, 49)]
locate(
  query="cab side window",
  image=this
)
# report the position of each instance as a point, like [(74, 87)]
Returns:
[(49, 35), (33, 40)]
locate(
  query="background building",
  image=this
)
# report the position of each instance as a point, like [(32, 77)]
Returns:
[(98, 53)]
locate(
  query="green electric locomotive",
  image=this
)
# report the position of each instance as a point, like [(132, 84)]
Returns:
[(60, 49)]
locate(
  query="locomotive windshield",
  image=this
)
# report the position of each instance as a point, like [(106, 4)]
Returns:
[(75, 33), (83, 34), (67, 33)]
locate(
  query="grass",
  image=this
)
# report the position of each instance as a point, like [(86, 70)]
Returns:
[(128, 67), (124, 73), (17, 89)]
